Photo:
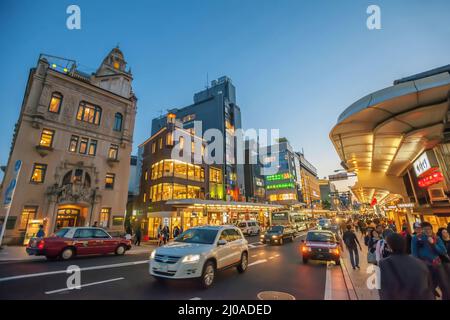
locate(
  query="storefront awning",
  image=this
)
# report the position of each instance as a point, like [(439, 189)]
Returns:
[(233, 205), (162, 214)]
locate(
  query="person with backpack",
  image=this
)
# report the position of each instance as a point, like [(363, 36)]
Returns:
[(382, 249), (429, 248), (403, 277), (374, 237), (352, 243)]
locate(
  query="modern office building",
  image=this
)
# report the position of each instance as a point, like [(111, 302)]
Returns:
[(186, 192), (310, 182), (216, 108), (74, 137), (255, 190), (328, 194), (397, 141), (285, 186)]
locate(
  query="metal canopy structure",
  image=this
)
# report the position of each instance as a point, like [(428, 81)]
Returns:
[(381, 134)]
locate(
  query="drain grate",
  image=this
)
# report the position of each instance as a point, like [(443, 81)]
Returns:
[(275, 295)]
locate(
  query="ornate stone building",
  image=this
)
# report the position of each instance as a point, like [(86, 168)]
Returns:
[(74, 137)]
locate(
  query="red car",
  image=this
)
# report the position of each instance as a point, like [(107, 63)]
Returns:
[(80, 241)]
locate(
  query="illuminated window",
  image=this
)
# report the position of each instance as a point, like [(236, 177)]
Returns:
[(109, 180), (191, 171), (153, 147), (92, 148), (55, 102), (116, 65), (113, 152), (193, 192), (215, 175), (146, 176), (179, 191), (167, 191), (160, 142), (28, 213), (180, 169), (89, 113), (73, 143), (168, 168), (145, 197), (46, 138), (105, 214), (192, 146), (118, 119), (169, 139), (83, 145), (181, 142), (188, 118), (38, 175)]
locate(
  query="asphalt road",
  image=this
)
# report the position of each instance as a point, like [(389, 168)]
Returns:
[(271, 268)]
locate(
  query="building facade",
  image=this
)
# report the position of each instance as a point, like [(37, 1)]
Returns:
[(255, 190), (310, 183), (216, 108), (328, 194), (74, 137)]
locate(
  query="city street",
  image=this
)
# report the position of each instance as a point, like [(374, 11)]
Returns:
[(271, 268)]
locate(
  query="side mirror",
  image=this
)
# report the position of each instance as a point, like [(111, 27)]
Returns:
[(221, 242)]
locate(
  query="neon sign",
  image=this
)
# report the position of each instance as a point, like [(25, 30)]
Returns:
[(279, 176), (431, 179)]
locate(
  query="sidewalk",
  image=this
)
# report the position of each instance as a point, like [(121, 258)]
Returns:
[(18, 253), (358, 277)]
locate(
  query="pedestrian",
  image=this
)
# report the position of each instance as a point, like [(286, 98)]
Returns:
[(406, 234), (352, 243), (41, 232), (176, 231), (137, 236), (362, 227), (181, 229), (95, 225), (403, 277), (382, 249), (166, 234), (374, 237), (428, 247), (159, 235), (445, 237)]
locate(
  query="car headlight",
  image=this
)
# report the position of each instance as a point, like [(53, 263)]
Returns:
[(191, 258), (152, 255)]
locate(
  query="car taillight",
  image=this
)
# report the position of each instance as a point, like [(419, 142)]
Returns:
[(335, 251), (304, 248), (41, 244)]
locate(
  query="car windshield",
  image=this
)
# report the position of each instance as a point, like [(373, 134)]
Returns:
[(61, 232), (320, 237), (275, 229), (202, 236)]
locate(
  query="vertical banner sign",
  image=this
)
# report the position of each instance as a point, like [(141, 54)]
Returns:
[(9, 195)]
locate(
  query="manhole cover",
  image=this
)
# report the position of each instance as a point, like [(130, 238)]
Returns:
[(275, 295)]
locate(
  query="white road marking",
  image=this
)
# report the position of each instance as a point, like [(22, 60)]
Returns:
[(270, 258), (84, 285), (32, 275), (195, 298), (257, 262), (328, 288), (255, 255), (277, 255)]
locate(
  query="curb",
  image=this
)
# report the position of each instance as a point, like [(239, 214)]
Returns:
[(348, 282)]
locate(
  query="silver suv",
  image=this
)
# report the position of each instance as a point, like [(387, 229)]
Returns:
[(199, 252)]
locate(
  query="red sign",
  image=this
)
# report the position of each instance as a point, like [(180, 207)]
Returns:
[(374, 202), (430, 179)]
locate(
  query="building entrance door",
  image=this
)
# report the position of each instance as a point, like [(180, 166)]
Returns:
[(67, 217)]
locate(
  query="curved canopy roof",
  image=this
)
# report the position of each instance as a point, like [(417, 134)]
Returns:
[(387, 130)]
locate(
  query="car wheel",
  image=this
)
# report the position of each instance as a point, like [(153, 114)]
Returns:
[(120, 250), (67, 254), (242, 267), (338, 262), (305, 260), (208, 275)]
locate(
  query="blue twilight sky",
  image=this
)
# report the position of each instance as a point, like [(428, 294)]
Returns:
[(296, 64)]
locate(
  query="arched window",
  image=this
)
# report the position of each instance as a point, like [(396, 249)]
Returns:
[(67, 178), (89, 113), (55, 102), (118, 118)]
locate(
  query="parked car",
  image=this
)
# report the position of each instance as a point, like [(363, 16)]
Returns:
[(77, 241), (249, 227), (278, 234), (321, 245), (199, 252)]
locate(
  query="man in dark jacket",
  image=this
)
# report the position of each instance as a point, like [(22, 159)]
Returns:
[(403, 277), (352, 244)]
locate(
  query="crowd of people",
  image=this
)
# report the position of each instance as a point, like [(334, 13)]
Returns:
[(413, 265)]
